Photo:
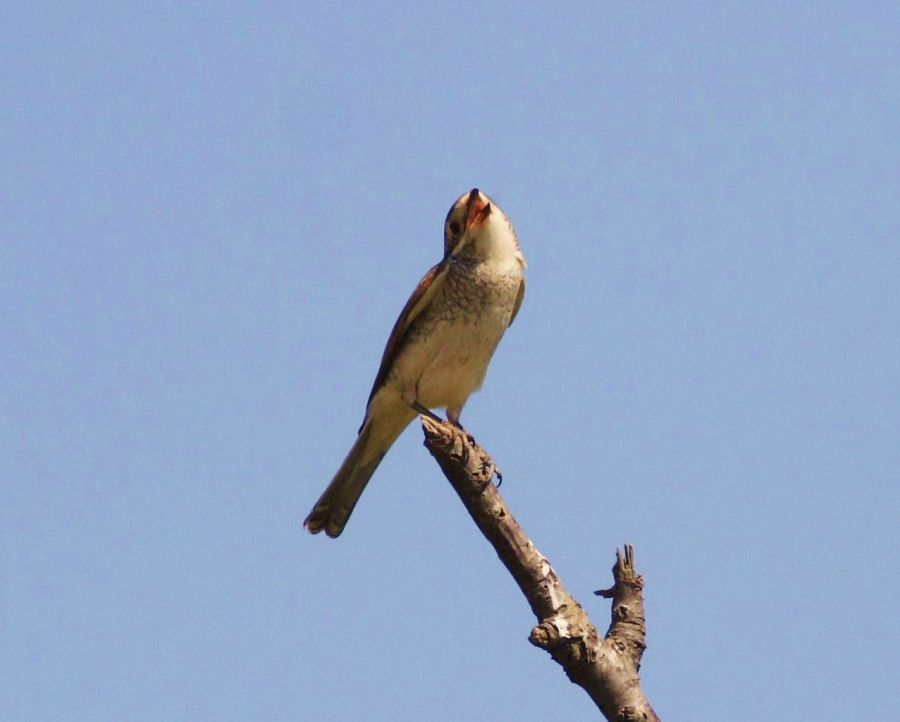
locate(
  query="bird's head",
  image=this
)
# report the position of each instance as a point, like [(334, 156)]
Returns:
[(477, 228)]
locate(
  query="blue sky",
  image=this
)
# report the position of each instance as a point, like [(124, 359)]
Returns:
[(210, 216)]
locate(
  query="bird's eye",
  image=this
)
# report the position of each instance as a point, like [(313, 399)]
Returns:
[(454, 228)]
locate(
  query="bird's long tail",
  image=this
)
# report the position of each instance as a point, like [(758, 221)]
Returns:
[(333, 509)]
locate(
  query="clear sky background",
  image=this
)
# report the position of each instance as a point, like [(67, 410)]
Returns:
[(210, 216)]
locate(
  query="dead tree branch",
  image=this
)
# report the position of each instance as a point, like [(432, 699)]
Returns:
[(607, 669)]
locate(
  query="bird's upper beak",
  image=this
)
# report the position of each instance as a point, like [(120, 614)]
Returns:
[(478, 209)]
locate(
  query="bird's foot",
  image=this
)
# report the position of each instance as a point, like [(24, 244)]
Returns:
[(495, 470), (489, 467), (454, 420)]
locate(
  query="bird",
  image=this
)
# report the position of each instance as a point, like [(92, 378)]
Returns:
[(438, 352)]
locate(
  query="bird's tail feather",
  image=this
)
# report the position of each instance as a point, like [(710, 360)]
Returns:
[(333, 509)]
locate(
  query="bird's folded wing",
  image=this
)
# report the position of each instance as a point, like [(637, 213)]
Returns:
[(417, 302), (518, 303)]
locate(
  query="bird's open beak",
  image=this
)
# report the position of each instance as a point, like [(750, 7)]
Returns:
[(478, 209)]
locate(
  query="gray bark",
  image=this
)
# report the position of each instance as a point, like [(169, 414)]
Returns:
[(606, 668)]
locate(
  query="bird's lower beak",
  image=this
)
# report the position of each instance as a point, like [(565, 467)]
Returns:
[(479, 208)]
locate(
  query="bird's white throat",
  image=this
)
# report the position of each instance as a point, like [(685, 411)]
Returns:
[(495, 243)]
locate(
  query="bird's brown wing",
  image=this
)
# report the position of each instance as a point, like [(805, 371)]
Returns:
[(518, 304), (419, 299)]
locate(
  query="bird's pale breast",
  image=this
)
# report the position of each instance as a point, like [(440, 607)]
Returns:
[(451, 343)]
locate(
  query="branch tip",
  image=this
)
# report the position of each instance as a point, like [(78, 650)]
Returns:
[(606, 668)]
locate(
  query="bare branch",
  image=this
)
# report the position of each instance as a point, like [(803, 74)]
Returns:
[(607, 669)]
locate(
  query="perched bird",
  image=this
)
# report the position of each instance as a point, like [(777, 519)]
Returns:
[(440, 347)]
